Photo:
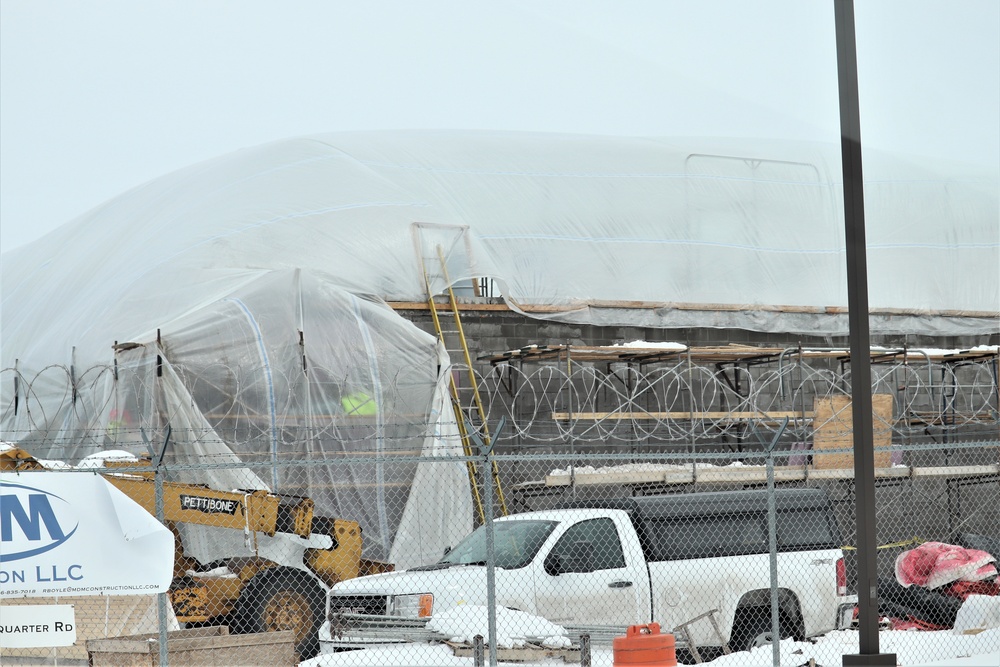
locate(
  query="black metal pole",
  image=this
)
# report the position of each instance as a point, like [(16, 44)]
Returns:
[(857, 303)]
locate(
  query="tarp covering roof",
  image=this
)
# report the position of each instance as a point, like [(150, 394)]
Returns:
[(642, 231), (239, 301)]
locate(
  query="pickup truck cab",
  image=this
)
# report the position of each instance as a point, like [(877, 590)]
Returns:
[(619, 562)]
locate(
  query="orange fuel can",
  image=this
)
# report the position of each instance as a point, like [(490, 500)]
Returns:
[(644, 646)]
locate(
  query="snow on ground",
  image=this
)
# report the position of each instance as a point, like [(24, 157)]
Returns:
[(402, 655), (931, 352), (944, 648), (912, 649)]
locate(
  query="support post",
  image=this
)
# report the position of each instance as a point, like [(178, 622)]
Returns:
[(491, 600), (478, 657), (857, 307), (772, 547), (486, 450), (161, 598)]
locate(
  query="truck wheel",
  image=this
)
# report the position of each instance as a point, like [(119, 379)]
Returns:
[(284, 599), (752, 628)]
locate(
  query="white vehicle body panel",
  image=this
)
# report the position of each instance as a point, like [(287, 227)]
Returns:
[(452, 587), (686, 589), (612, 596), (636, 592)]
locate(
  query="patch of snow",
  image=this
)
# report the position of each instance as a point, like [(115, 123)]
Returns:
[(940, 352), (986, 660), (644, 467), (657, 345), (217, 573), (978, 612), (912, 649), (557, 641), (607, 470), (97, 460), (464, 622), (400, 655)]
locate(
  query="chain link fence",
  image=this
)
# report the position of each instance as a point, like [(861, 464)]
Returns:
[(716, 502)]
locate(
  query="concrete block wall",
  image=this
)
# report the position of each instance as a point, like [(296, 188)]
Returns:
[(492, 331)]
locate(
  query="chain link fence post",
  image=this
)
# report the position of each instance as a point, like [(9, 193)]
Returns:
[(772, 548), (161, 598)]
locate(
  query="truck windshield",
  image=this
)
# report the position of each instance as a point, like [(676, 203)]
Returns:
[(515, 544)]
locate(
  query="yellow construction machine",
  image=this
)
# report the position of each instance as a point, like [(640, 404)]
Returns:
[(247, 593)]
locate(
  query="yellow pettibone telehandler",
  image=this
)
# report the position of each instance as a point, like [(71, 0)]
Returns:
[(247, 593)]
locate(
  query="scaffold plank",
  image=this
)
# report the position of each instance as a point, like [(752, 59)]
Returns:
[(678, 475)]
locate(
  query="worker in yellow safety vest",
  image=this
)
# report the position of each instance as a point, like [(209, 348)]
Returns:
[(359, 403), (119, 422)]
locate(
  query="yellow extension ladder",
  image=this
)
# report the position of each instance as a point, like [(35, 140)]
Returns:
[(463, 423)]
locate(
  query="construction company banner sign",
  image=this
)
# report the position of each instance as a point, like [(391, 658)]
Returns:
[(73, 533)]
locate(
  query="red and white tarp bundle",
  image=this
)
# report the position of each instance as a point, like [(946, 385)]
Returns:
[(935, 564)]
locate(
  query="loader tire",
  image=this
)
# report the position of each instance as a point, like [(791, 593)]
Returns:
[(283, 599)]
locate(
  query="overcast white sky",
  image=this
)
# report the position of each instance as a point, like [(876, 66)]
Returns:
[(97, 97)]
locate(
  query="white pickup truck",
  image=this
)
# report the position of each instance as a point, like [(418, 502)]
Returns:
[(666, 559)]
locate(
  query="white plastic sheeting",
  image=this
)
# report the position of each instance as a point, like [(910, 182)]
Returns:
[(702, 232), (205, 278), (246, 389)]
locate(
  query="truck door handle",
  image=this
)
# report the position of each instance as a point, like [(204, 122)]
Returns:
[(619, 584)]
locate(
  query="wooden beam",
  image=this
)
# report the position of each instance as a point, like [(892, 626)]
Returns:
[(757, 474), (706, 307)]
